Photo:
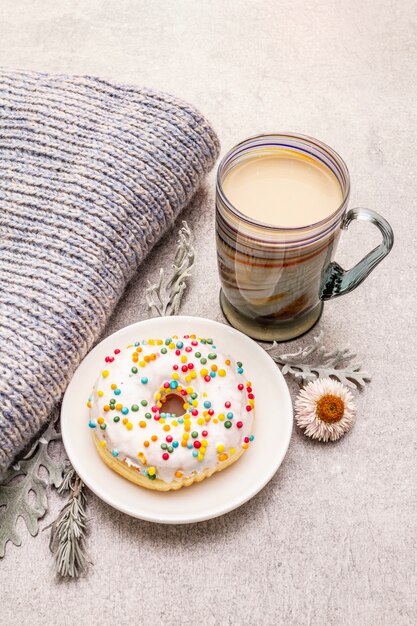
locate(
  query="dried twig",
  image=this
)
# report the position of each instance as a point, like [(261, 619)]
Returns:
[(68, 532)]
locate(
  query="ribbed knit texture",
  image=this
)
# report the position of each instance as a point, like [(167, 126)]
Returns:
[(91, 175)]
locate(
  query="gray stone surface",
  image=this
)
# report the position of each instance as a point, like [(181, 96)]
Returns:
[(332, 539)]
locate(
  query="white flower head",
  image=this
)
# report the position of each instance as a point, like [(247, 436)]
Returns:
[(325, 409)]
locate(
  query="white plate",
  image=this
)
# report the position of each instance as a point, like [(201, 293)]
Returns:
[(217, 495)]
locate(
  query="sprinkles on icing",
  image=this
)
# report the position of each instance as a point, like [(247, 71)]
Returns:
[(211, 421)]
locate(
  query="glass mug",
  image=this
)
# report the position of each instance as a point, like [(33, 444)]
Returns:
[(275, 280)]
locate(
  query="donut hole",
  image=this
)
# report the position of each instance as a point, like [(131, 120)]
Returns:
[(174, 404)]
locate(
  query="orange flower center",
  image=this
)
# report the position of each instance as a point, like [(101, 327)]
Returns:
[(330, 408)]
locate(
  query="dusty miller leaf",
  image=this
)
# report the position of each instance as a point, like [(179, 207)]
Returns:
[(315, 361), (22, 479), (166, 296)]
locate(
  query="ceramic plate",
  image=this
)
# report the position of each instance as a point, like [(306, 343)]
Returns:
[(225, 490)]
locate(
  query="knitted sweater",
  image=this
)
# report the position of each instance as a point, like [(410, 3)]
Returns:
[(91, 175)]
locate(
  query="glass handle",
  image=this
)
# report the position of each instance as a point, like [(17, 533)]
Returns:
[(337, 281)]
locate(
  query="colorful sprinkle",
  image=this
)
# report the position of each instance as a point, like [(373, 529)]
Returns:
[(189, 370)]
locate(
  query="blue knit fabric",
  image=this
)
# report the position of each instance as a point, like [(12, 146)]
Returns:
[(91, 175)]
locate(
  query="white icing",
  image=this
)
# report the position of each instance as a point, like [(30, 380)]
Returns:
[(219, 390)]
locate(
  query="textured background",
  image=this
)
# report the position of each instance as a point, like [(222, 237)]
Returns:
[(332, 539)]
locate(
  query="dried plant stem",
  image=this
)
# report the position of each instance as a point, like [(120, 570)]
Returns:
[(68, 531)]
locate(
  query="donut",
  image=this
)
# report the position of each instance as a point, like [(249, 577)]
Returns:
[(166, 413)]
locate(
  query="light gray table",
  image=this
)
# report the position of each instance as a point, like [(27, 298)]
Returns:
[(332, 539)]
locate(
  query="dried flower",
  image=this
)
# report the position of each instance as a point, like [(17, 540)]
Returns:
[(325, 409)]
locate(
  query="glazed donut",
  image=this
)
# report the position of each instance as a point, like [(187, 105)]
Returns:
[(166, 413)]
